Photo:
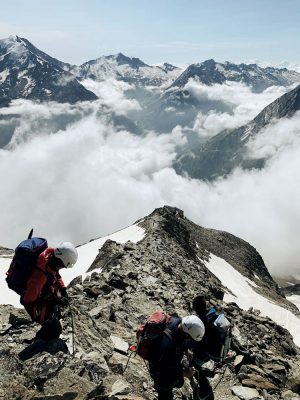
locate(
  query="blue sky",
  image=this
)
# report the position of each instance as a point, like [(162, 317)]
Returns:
[(180, 32)]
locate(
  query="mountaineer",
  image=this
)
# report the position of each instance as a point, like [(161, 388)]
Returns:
[(212, 349), (34, 275), (166, 359)]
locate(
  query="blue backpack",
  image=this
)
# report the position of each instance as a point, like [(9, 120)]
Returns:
[(23, 262)]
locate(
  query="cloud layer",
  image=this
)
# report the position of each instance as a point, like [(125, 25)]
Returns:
[(238, 97), (71, 175)]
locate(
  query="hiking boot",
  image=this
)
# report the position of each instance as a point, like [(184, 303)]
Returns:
[(38, 346), (56, 345)]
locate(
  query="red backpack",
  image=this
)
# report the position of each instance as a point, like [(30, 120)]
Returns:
[(151, 332)]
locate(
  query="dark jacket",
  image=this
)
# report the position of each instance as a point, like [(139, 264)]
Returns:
[(211, 344), (165, 365)]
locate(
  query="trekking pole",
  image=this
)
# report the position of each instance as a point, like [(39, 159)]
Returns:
[(73, 330), (129, 357), (212, 390)]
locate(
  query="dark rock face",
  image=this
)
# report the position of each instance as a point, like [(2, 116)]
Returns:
[(28, 73), (4, 251), (228, 150), (290, 290), (163, 271)]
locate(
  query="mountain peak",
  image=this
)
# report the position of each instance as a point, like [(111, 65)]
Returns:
[(211, 61), (32, 74), (131, 61), (168, 67)]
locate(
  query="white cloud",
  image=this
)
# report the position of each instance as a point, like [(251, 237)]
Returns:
[(211, 123), (244, 105), (290, 66), (111, 93), (64, 79), (276, 138), (80, 183)]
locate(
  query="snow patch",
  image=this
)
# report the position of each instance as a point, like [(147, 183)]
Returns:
[(89, 251), (295, 299), (245, 297), (7, 296), (4, 74)]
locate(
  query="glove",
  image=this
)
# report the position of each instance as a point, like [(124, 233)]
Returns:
[(188, 373), (62, 301), (63, 292)]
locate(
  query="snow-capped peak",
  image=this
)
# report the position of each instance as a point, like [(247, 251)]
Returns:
[(129, 69)]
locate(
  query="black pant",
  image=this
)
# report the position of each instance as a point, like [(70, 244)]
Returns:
[(51, 329), (203, 389), (165, 392)]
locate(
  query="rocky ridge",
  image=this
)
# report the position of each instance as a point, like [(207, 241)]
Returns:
[(210, 72), (163, 271)]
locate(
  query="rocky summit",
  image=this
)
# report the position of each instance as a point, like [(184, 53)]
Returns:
[(125, 283)]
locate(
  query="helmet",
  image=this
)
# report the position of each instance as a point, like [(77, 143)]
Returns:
[(193, 326), (67, 253)]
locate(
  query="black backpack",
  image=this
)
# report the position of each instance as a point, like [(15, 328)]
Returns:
[(23, 262)]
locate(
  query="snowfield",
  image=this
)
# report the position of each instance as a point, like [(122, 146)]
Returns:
[(88, 252), (245, 297), (295, 299)]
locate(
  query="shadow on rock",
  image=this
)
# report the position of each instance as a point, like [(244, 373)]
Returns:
[(38, 346)]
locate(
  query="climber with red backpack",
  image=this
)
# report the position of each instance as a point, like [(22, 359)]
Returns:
[(162, 342), (34, 275)]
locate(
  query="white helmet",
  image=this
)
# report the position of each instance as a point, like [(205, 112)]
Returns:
[(67, 253), (193, 326)]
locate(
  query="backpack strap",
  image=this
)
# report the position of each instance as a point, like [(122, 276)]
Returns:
[(168, 333), (211, 315)]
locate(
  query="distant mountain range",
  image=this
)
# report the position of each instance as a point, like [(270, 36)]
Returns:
[(227, 150), (29, 73), (163, 93), (210, 72)]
